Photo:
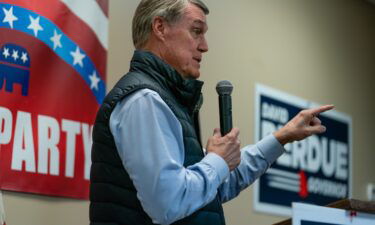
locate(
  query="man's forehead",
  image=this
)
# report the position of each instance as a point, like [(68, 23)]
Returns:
[(200, 22), (195, 14)]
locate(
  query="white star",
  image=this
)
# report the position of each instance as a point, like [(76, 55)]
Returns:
[(56, 39), (94, 80), (24, 57), (77, 57), (34, 25), (15, 55), (6, 52), (9, 17)]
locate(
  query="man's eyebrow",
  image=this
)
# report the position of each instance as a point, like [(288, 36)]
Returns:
[(200, 22)]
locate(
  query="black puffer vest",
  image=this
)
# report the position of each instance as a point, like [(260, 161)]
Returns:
[(112, 194)]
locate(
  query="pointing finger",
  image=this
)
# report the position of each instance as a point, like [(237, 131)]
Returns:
[(318, 110)]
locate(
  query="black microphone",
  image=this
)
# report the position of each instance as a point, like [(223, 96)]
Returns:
[(224, 88)]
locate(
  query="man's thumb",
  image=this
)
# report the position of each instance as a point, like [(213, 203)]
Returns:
[(217, 132)]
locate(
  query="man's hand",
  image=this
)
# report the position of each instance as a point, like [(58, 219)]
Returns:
[(305, 124), (227, 147)]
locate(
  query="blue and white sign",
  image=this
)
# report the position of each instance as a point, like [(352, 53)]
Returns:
[(316, 170)]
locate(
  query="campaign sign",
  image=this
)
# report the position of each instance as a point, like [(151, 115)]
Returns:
[(315, 170), (52, 82), (307, 214)]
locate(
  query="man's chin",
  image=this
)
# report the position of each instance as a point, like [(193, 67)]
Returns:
[(193, 75)]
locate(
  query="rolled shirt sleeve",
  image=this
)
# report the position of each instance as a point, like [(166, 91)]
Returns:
[(255, 160)]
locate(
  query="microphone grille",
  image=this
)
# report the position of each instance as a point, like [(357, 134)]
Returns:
[(224, 87)]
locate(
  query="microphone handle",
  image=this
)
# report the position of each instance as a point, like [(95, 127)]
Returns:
[(225, 109)]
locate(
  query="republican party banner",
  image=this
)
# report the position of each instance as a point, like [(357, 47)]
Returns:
[(52, 82), (316, 170)]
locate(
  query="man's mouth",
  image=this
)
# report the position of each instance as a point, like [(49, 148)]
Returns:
[(198, 59)]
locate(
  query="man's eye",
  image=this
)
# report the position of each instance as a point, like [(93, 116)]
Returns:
[(197, 30)]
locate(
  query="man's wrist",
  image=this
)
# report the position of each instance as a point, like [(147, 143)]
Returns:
[(219, 165), (282, 136), (270, 148)]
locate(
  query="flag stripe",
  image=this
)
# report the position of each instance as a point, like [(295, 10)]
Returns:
[(15, 66), (85, 67), (72, 26), (91, 13)]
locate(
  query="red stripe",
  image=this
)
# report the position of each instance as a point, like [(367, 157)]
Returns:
[(104, 6), (14, 65), (71, 25)]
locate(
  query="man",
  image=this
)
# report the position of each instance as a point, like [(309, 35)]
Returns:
[(148, 165)]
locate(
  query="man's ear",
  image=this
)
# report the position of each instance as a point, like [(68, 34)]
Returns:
[(159, 27)]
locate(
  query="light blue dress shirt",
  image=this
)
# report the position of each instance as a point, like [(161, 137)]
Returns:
[(149, 140)]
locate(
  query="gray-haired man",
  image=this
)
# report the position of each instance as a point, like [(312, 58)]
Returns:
[(148, 164)]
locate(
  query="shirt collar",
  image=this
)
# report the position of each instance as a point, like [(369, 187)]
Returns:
[(188, 91)]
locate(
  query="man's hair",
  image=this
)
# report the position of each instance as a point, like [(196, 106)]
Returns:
[(147, 10)]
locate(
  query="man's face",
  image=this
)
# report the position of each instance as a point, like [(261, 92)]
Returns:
[(185, 42)]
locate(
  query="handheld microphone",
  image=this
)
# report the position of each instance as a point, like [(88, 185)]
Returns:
[(224, 89)]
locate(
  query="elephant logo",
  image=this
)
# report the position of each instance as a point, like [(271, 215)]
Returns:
[(14, 68)]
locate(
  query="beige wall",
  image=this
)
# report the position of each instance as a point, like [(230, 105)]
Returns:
[(320, 50)]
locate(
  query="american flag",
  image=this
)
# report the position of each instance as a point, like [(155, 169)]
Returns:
[(52, 81)]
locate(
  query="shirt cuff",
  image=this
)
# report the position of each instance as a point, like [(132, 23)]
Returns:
[(271, 148), (219, 165)]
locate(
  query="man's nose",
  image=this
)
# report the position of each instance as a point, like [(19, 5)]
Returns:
[(203, 46)]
